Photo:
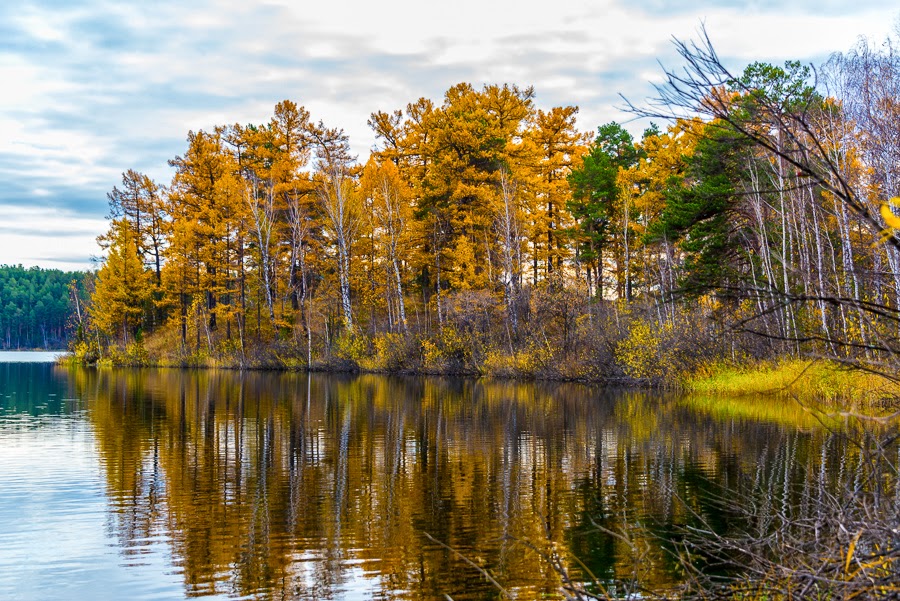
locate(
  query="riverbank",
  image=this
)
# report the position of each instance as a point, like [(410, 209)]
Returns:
[(808, 381), (524, 366), (446, 352)]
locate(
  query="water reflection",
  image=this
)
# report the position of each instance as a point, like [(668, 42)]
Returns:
[(288, 486)]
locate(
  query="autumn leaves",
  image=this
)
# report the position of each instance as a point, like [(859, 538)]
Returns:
[(276, 224)]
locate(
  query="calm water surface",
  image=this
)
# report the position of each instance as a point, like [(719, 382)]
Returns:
[(29, 356), (167, 484)]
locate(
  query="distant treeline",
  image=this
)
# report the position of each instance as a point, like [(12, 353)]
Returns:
[(35, 306)]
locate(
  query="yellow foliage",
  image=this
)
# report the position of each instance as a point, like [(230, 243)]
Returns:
[(892, 221), (86, 352), (123, 285), (431, 354), (352, 347), (136, 354), (640, 354), (389, 353), (448, 349), (528, 363)]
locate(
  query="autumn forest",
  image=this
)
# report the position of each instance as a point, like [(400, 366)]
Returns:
[(486, 234), (650, 357)]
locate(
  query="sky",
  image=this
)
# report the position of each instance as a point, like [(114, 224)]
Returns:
[(92, 88)]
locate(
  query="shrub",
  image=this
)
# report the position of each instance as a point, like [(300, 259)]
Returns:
[(638, 353), (448, 351), (86, 352), (391, 351)]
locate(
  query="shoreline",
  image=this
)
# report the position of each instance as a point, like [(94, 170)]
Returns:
[(68, 359), (806, 380)]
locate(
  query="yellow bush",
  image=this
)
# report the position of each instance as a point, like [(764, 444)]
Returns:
[(448, 349), (432, 356), (136, 354), (86, 352), (529, 362), (351, 347), (388, 352), (639, 353)]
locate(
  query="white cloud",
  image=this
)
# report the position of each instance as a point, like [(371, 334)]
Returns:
[(48, 237), (794, 35), (95, 88), (42, 26)]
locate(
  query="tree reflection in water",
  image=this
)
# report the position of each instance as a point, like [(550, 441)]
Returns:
[(309, 487)]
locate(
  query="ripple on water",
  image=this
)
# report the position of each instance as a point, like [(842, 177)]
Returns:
[(53, 520), (126, 484)]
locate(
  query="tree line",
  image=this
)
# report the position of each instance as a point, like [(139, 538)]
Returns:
[(487, 234), (35, 307)]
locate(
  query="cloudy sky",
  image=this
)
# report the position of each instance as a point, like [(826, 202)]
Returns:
[(89, 89)]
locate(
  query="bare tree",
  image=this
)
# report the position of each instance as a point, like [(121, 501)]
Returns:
[(262, 213), (301, 225), (336, 196), (389, 215), (781, 122), (507, 224)]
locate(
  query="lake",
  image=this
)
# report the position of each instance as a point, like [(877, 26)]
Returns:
[(167, 484)]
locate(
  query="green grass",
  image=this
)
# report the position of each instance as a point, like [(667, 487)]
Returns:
[(804, 394), (819, 382)]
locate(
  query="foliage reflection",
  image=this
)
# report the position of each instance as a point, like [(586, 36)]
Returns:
[(282, 484)]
